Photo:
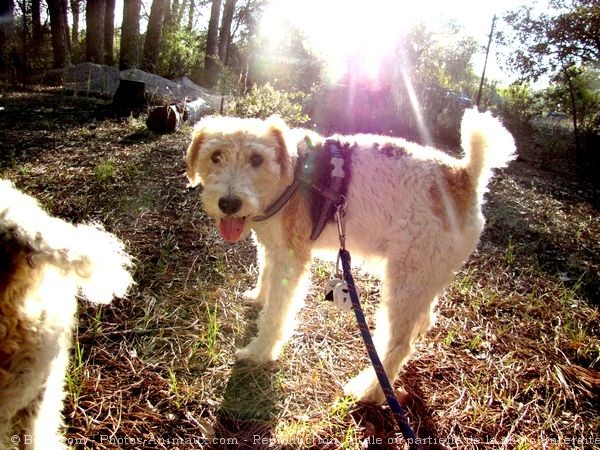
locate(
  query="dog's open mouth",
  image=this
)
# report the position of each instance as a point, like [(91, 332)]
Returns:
[(231, 228)]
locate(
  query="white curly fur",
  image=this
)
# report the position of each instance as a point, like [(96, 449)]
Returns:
[(413, 215), (44, 261)]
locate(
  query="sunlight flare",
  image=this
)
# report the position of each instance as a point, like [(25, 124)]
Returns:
[(338, 30)]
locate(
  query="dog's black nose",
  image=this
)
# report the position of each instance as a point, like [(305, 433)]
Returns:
[(230, 205)]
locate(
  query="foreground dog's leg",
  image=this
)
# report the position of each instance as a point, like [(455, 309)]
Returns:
[(283, 285), (406, 312), (260, 292), (46, 421)]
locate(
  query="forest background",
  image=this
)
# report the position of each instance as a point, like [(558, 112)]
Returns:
[(423, 75)]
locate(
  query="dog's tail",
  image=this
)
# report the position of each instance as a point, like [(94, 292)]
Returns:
[(94, 258), (99, 261), (487, 144)]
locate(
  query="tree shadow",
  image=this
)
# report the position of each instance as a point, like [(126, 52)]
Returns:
[(529, 243)]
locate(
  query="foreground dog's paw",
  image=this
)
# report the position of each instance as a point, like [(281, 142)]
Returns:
[(365, 388), (251, 296), (252, 353)]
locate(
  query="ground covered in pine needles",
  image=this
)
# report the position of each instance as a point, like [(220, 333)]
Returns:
[(512, 363)]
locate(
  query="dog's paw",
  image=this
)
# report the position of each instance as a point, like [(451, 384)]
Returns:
[(365, 388), (252, 296), (252, 353)]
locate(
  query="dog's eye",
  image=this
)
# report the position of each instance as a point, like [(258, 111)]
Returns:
[(256, 160), (216, 157)]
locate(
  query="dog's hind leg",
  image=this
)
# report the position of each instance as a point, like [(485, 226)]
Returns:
[(406, 311), (285, 280)]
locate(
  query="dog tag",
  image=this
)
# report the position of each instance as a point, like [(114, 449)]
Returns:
[(330, 286), (341, 297)]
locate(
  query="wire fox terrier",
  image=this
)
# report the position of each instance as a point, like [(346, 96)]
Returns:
[(44, 261), (413, 216)]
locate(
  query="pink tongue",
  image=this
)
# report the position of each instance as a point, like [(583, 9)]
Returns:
[(231, 228)]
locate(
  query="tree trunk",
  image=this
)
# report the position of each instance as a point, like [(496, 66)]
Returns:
[(191, 11), (153, 36), (60, 32), (36, 23), (109, 33), (130, 34), (130, 98), (225, 33), (75, 30), (7, 19), (24, 28), (167, 119), (212, 45), (94, 35), (573, 110)]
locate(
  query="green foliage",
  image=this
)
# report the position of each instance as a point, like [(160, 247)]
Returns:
[(585, 81), (264, 101), (181, 52), (518, 102), (442, 58), (227, 81), (420, 90), (560, 36)]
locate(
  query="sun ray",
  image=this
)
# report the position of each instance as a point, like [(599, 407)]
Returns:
[(416, 108)]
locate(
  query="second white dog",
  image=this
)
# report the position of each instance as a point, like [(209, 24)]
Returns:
[(44, 263), (413, 215)]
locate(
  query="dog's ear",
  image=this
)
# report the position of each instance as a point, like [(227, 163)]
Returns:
[(275, 121), (307, 140), (191, 157), (279, 130)]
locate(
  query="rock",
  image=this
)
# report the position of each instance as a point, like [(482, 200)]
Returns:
[(86, 79), (97, 80)]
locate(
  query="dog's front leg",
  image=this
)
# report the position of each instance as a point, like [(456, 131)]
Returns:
[(259, 293), (285, 280)]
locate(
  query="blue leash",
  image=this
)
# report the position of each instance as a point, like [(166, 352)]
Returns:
[(384, 382)]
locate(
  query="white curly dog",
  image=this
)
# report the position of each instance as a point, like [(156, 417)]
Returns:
[(413, 216), (43, 263)]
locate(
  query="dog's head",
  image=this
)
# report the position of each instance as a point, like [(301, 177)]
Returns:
[(243, 165)]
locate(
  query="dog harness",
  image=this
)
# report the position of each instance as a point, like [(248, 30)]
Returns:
[(323, 175)]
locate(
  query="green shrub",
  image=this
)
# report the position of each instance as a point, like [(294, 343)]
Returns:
[(264, 101)]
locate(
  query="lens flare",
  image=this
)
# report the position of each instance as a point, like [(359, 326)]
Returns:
[(338, 30)]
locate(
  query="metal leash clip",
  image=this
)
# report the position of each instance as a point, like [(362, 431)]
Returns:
[(336, 289), (340, 216)]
